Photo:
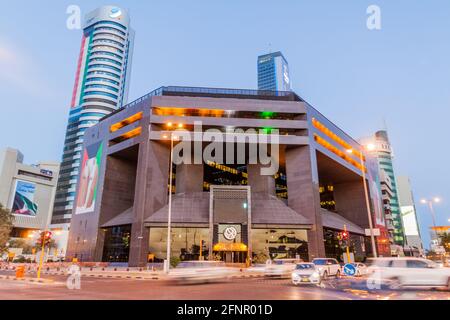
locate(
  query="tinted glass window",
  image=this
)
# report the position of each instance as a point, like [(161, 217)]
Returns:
[(320, 262), (416, 264), (304, 266)]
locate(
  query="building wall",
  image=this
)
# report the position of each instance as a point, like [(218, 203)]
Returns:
[(12, 171), (152, 170)]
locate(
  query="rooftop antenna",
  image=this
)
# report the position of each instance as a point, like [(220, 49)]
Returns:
[(385, 127)]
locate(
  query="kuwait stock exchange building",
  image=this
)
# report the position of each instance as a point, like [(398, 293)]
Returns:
[(228, 211)]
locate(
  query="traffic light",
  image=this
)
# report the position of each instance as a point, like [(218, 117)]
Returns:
[(344, 235), (45, 238)]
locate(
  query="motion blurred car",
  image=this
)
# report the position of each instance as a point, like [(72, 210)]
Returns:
[(190, 272), (280, 268), (306, 273), (409, 272), (327, 267)]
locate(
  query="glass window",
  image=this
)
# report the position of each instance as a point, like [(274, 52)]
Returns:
[(416, 264)]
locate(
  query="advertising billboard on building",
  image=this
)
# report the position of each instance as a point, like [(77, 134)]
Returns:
[(23, 202), (88, 182), (409, 221)]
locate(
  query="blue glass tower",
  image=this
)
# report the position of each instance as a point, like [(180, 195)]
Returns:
[(273, 72)]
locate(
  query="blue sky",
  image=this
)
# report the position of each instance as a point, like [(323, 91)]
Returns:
[(354, 76)]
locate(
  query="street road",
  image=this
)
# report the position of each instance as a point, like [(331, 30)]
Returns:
[(242, 289)]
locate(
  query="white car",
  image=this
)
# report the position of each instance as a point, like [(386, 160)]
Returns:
[(201, 272), (306, 273), (409, 272), (280, 268), (328, 267)]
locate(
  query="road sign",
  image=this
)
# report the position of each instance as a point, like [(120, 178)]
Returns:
[(376, 232), (349, 269)]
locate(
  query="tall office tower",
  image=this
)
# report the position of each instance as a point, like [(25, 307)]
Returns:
[(273, 72), (385, 161), (408, 211), (101, 87)]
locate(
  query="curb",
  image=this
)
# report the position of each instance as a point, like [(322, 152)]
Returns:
[(2, 277)]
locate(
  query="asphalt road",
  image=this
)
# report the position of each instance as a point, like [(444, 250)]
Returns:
[(242, 289)]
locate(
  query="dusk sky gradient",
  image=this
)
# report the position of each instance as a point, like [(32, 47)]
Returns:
[(354, 76)]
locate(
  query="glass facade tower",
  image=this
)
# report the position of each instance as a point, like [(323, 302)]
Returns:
[(101, 87), (385, 162), (273, 72)]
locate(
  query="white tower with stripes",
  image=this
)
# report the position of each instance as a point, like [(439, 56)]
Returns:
[(101, 86)]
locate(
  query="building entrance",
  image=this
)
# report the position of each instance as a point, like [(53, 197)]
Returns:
[(231, 252)]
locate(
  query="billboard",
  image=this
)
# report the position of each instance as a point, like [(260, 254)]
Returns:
[(375, 190), (23, 203), (88, 182), (409, 220)]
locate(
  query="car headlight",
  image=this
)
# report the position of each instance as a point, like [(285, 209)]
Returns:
[(315, 275), (295, 276)]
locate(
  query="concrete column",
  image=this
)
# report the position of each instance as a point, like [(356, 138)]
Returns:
[(189, 178), (303, 193), (258, 183), (351, 202), (150, 196)]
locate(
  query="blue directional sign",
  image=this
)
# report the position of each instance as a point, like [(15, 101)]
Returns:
[(349, 269)]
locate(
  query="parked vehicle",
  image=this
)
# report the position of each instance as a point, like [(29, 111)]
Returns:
[(328, 267), (280, 268), (409, 272), (306, 273)]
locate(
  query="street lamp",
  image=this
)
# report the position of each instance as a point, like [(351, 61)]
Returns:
[(169, 218), (369, 147), (430, 202)]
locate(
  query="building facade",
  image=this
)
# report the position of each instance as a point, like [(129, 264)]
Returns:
[(101, 87), (229, 210), (273, 72), (383, 152), (409, 213), (28, 191)]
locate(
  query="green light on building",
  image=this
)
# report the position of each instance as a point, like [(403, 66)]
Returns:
[(267, 114)]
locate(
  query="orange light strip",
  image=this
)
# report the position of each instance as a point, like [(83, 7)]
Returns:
[(130, 134), (119, 125), (322, 128), (338, 152), (181, 112)]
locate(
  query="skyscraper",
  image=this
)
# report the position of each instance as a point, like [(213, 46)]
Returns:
[(273, 72), (385, 161), (409, 214), (101, 86)]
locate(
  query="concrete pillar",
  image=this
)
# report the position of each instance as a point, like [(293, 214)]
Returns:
[(303, 193), (258, 183), (351, 202), (189, 178), (151, 195)]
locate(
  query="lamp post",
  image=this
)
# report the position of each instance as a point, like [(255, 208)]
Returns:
[(370, 147), (430, 202), (169, 218)]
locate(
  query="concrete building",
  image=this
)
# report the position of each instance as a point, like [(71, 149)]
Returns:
[(409, 213), (101, 87), (28, 191), (230, 211), (273, 72)]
